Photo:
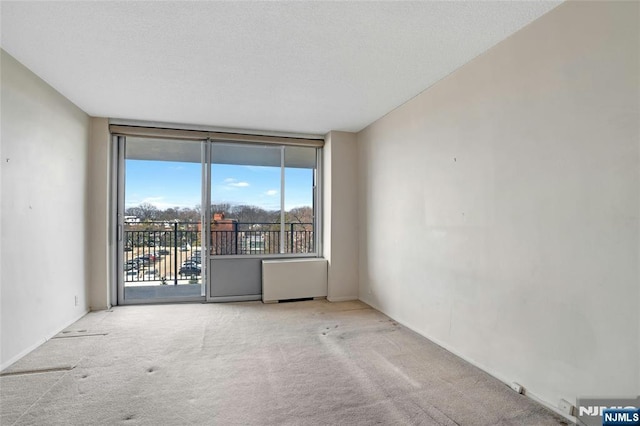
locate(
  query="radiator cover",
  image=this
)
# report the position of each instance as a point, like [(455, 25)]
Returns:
[(286, 279)]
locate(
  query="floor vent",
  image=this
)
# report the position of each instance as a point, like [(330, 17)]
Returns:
[(304, 299)]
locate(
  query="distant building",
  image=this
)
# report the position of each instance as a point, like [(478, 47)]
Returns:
[(224, 233), (252, 243)]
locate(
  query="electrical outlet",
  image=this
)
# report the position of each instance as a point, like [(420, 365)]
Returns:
[(566, 407), (76, 300), (517, 387)]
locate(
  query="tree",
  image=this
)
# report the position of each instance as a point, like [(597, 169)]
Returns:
[(221, 208), (148, 212), (144, 212), (189, 215), (300, 215), (253, 214)]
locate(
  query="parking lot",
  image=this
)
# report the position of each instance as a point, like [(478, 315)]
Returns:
[(158, 265)]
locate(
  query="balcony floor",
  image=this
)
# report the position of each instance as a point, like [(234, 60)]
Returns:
[(154, 291)]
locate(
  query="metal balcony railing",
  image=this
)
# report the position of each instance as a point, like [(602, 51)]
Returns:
[(260, 238), (169, 252)]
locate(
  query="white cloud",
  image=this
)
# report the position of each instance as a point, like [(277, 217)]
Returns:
[(152, 200), (234, 183), (272, 192), (161, 204)]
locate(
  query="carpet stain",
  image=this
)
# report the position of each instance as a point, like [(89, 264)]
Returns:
[(37, 371), (79, 335)]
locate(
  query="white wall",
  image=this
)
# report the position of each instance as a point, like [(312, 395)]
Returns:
[(44, 198), (340, 215), (499, 209)]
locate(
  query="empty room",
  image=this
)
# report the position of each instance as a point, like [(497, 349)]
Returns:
[(331, 212)]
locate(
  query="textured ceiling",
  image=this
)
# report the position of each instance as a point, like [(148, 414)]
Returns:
[(306, 67)]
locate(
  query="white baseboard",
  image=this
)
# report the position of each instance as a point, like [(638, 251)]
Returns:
[(224, 299), (342, 298)]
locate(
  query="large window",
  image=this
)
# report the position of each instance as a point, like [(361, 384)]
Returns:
[(198, 210), (263, 199)]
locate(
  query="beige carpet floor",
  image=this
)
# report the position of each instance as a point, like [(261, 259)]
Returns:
[(302, 363)]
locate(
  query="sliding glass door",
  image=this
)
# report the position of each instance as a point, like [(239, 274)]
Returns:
[(160, 220)]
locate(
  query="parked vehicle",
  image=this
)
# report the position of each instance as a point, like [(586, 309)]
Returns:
[(190, 270), (130, 267), (143, 261), (131, 264), (147, 258)]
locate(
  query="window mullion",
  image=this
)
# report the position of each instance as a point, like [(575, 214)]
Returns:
[(282, 212)]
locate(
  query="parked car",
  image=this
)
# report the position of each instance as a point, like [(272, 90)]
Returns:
[(130, 267), (164, 251), (143, 261), (131, 275), (191, 264), (147, 258), (190, 270)]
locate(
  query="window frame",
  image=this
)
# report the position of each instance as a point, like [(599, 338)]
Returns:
[(316, 202)]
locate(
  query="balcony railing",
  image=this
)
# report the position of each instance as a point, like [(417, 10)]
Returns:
[(169, 252), (261, 238)]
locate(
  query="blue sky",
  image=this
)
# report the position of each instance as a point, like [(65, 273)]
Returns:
[(172, 184)]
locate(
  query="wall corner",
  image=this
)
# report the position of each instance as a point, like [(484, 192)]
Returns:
[(98, 271), (340, 215)]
